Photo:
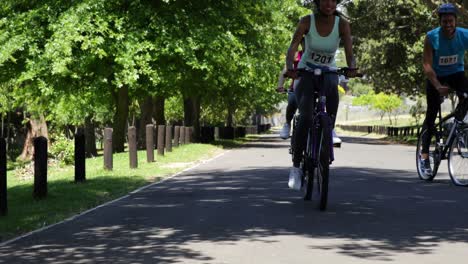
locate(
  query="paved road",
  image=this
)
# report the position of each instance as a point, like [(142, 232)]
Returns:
[(237, 209)]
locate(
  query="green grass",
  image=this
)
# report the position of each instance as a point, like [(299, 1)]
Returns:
[(402, 122), (410, 140), (65, 198), (229, 144)]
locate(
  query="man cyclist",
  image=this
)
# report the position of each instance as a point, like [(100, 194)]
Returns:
[(322, 33), (444, 49)]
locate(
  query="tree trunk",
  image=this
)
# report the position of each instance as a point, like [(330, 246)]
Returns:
[(35, 128), (192, 116), (120, 119), (230, 117), (159, 102), (146, 107), (90, 137)]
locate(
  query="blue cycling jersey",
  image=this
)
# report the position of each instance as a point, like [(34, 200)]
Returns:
[(448, 53)]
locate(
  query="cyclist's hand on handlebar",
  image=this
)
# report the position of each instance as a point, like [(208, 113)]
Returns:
[(443, 90), (352, 72), (291, 74)]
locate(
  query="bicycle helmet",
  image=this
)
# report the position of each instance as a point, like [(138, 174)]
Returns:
[(317, 2), (309, 3), (447, 8)]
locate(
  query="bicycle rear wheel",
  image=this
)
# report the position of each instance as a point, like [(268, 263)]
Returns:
[(434, 156), (458, 159), (323, 165)]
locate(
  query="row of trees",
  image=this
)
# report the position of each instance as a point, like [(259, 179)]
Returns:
[(386, 104), (87, 63), (117, 62)]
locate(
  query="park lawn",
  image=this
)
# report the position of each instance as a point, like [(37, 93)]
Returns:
[(66, 198), (402, 122), (407, 140)]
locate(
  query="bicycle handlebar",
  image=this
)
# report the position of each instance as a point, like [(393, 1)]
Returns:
[(340, 71)]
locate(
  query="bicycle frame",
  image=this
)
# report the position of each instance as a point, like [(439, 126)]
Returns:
[(445, 146), (311, 147)]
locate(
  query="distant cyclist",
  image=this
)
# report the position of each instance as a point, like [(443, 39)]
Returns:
[(322, 33), (292, 103), (443, 62)]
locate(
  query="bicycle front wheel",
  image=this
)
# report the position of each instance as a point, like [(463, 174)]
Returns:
[(434, 156), (323, 165), (458, 159), (307, 179)]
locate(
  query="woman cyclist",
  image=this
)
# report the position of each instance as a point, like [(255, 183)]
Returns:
[(292, 104), (444, 50), (322, 33)]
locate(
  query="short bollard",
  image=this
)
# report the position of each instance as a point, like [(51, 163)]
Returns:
[(3, 178), (150, 143), (216, 133), (80, 157), (176, 136), (161, 139), (169, 138), (132, 147), (108, 159), (40, 168), (182, 135), (188, 135)]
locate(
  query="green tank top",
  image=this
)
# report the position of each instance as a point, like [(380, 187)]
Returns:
[(320, 51)]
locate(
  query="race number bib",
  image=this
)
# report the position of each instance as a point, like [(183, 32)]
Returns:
[(321, 58), (448, 60)]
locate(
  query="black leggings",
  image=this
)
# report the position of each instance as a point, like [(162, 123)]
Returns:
[(304, 96), (456, 81), (291, 108)]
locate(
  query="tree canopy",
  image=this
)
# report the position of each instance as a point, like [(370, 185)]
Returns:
[(100, 59)]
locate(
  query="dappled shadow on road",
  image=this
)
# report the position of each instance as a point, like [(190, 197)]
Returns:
[(373, 214), (271, 141)]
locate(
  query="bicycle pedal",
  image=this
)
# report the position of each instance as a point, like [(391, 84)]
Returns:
[(337, 145)]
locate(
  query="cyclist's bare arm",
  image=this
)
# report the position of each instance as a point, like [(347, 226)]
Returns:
[(281, 80), (301, 30), (345, 34), (429, 71)]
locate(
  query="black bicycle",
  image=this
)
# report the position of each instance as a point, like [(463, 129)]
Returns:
[(449, 140), (318, 154)]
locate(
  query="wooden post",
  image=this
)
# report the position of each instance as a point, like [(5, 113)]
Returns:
[(108, 161), (3, 178), (216, 133), (176, 136), (168, 138), (161, 139), (188, 135), (40, 167), (80, 156), (132, 147), (182, 135), (150, 143)]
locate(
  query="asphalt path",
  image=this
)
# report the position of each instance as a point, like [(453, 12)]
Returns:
[(237, 209)]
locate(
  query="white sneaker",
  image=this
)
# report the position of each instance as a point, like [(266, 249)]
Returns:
[(336, 139), (285, 131), (295, 175)]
